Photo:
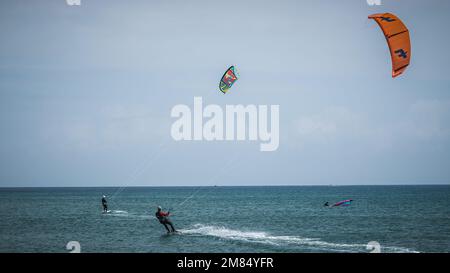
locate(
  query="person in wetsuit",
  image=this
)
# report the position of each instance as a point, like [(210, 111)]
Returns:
[(104, 204), (164, 220), (326, 204)]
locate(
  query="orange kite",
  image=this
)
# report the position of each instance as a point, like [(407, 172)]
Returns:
[(397, 37)]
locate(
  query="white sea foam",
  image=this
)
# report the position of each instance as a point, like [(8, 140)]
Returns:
[(312, 244), (123, 213), (119, 211)]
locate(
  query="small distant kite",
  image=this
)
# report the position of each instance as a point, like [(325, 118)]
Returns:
[(343, 203), (228, 79), (397, 37)]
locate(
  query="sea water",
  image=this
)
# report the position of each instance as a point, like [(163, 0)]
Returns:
[(227, 219)]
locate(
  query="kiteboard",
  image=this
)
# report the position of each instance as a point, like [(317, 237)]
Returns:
[(173, 233)]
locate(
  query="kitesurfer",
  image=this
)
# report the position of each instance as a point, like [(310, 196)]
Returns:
[(104, 204), (164, 220)]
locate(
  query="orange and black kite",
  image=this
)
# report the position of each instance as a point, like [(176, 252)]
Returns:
[(397, 37)]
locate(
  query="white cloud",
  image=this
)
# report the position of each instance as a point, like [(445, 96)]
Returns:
[(422, 120), (112, 126), (429, 119), (331, 121)]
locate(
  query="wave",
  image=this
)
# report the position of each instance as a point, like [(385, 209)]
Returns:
[(119, 211), (312, 244), (123, 213)]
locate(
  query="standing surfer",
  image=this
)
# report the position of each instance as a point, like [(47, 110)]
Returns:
[(164, 220), (104, 204)]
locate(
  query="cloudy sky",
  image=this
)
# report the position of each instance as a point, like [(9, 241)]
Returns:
[(86, 92)]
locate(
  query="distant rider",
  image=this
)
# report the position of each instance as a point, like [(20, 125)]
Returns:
[(164, 220), (104, 204)]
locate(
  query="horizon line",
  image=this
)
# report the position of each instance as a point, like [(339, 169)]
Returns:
[(197, 186)]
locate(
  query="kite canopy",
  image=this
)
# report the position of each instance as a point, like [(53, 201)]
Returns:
[(397, 37), (228, 79), (343, 203)]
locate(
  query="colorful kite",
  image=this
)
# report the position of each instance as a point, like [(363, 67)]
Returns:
[(343, 203), (228, 79), (397, 37)]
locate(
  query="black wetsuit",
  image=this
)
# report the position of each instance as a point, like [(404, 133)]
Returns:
[(105, 205), (162, 217)]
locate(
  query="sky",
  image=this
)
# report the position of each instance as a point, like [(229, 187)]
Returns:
[(86, 92)]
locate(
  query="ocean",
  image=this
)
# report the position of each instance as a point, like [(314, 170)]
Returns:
[(227, 219)]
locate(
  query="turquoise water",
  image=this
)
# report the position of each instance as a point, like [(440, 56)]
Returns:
[(227, 219)]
